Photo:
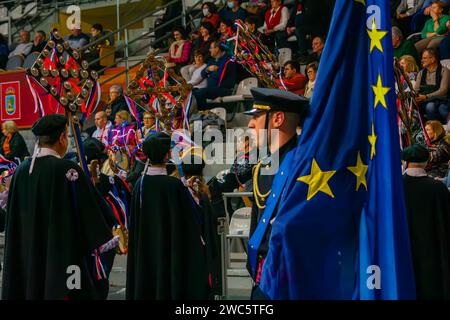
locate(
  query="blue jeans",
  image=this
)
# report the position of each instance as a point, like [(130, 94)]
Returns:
[(437, 110)]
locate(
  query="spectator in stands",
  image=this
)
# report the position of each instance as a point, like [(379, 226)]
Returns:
[(196, 79), (203, 43), (4, 51), (39, 42), (116, 102), (103, 127), (318, 44), (123, 133), (419, 19), (434, 29), (220, 74), (293, 80), (402, 47), (93, 52), (252, 22), (409, 66), (405, 11), (180, 49), (439, 149), (432, 86), (308, 23), (77, 39), (225, 32), (311, 72), (148, 128), (12, 143), (232, 12), (210, 14), (54, 32), (23, 48), (275, 23)]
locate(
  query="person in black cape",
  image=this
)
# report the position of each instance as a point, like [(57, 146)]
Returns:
[(166, 258), (428, 213), (55, 221)]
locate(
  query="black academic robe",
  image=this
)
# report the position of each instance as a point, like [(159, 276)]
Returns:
[(52, 224), (428, 211), (166, 258)]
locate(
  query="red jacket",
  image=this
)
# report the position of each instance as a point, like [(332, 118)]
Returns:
[(295, 85), (276, 19)]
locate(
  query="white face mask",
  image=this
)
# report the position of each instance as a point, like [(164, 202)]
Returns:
[(205, 12), (230, 5)]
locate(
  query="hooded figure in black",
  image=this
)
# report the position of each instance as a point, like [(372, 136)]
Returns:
[(55, 223), (166, 255), (428, 212)]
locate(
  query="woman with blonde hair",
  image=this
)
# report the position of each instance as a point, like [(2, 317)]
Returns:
[(409, 66), (13, 146), (439, 149)]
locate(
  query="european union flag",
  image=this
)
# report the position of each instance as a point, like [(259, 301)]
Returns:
[(341, 229)]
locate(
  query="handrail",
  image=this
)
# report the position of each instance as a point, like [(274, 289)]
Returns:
[(127, 25), (32, 18)]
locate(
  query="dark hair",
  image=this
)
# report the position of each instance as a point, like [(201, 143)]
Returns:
[(42, 33), (322, 38), (219, 44), (97, 26), (51, 139), (208, 26), (432, 52), (212, 7), (3, 39), (294, 64), (253, 19), (199, 52), (182, 31)]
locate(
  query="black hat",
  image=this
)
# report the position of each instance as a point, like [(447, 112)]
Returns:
[(267, 100), (49, 125), (192, 162), (156, 146), (94, 150), (415, 153)]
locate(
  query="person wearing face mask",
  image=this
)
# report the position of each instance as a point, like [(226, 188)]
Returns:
[(210, 14), (232, 12), (56, 220)]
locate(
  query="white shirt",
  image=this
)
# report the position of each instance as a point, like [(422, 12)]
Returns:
[(21, 49), (416, 172), (196, 79), (283, 21), (102, 134)]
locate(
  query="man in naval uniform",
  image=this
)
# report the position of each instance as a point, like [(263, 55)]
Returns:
[(274, 111)]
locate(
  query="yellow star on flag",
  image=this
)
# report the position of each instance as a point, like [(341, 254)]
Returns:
[(363, 2), (360, 172), (375, 37), (372, 140), (317, 181), (380, 93)]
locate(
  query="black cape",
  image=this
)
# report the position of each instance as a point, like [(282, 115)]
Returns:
[(428, 211), (51, 224), (166, 257)]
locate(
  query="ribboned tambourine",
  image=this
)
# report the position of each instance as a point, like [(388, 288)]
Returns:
[(122, 232)]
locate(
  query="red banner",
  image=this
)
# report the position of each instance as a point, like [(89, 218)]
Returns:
[(17, 101)]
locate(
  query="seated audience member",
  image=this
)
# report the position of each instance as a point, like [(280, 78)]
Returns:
[(220, 74), (77, 39), (103, 127), (427, 207), (409, 66), (196, 79), (148, 128), (116, 102), (210, 14), (12, 143), (405, 12), (432, 87), (232, 12), (180, 49), (23, 48), (252, 22), (39, 42), (293, 80), (94, 50), (311, 73), (421, 17), (435, 28), (318, 44), (402, 47), (203, 43), (225, 32), (123, 132), (4, 51), (275, 23), (439, 149)]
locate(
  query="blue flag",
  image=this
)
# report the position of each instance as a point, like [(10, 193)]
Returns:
[(341, 229)]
